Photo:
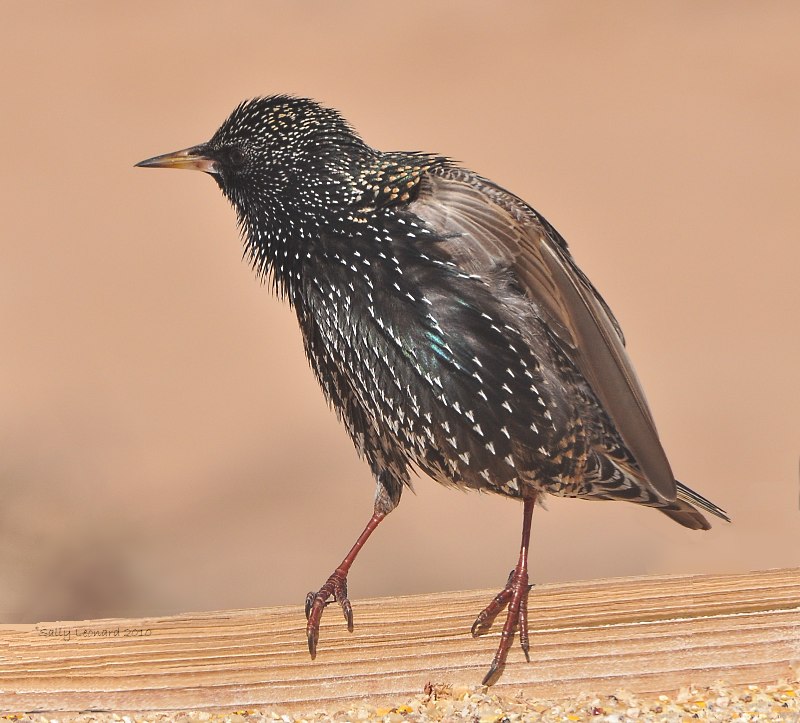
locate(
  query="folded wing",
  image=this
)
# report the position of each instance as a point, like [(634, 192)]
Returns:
[(484, 227)]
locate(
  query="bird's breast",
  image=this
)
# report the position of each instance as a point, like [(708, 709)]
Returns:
[(435, 363), (429, 358)]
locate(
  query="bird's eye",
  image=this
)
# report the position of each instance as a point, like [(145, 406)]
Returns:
[(233, 157)]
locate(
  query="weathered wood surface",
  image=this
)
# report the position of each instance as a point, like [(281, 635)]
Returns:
[(649, 634)]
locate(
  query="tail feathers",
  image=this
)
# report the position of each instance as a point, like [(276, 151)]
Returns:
[(686, 494), (683, 510), (686, 515)]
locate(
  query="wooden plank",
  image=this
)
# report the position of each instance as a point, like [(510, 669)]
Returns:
[(649, 634)]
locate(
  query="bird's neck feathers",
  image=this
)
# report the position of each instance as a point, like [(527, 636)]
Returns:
[(284, 216), (286, 211)]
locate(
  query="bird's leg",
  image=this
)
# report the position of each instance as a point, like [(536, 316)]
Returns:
[(515, 595), (336, 589)]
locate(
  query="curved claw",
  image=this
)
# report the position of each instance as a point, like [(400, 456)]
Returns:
[(334, 590), (313, 639), (486, 616), (494, 670), (347, 609), (515, 596), (309, 603)]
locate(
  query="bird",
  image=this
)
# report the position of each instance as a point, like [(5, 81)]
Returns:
[(448, 326)]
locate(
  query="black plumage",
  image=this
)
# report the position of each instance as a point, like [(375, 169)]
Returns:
[(447, 324)]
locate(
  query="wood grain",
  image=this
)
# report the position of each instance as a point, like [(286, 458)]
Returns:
[(649, 634)]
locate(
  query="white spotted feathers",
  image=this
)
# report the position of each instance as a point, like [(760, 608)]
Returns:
[(443, 317)]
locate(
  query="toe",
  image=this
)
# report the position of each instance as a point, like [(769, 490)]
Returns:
[(347, 609)]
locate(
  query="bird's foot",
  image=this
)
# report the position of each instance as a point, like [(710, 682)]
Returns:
[(334, 590), (515, 596)]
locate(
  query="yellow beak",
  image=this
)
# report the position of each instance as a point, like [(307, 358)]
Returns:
[(193, 158)]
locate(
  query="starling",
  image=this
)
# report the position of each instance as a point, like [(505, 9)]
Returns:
[(447, 324)]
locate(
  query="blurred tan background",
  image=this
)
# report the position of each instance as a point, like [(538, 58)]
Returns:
[(163, 445)]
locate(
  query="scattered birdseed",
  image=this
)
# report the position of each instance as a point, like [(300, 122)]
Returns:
[(778, 703)]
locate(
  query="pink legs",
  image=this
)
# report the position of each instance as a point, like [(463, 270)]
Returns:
[(515, 595), (336, 589)]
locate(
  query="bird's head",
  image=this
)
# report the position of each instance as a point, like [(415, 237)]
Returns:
[(280, 160)]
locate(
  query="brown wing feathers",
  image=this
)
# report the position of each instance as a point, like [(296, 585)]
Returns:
[(497, 228)]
